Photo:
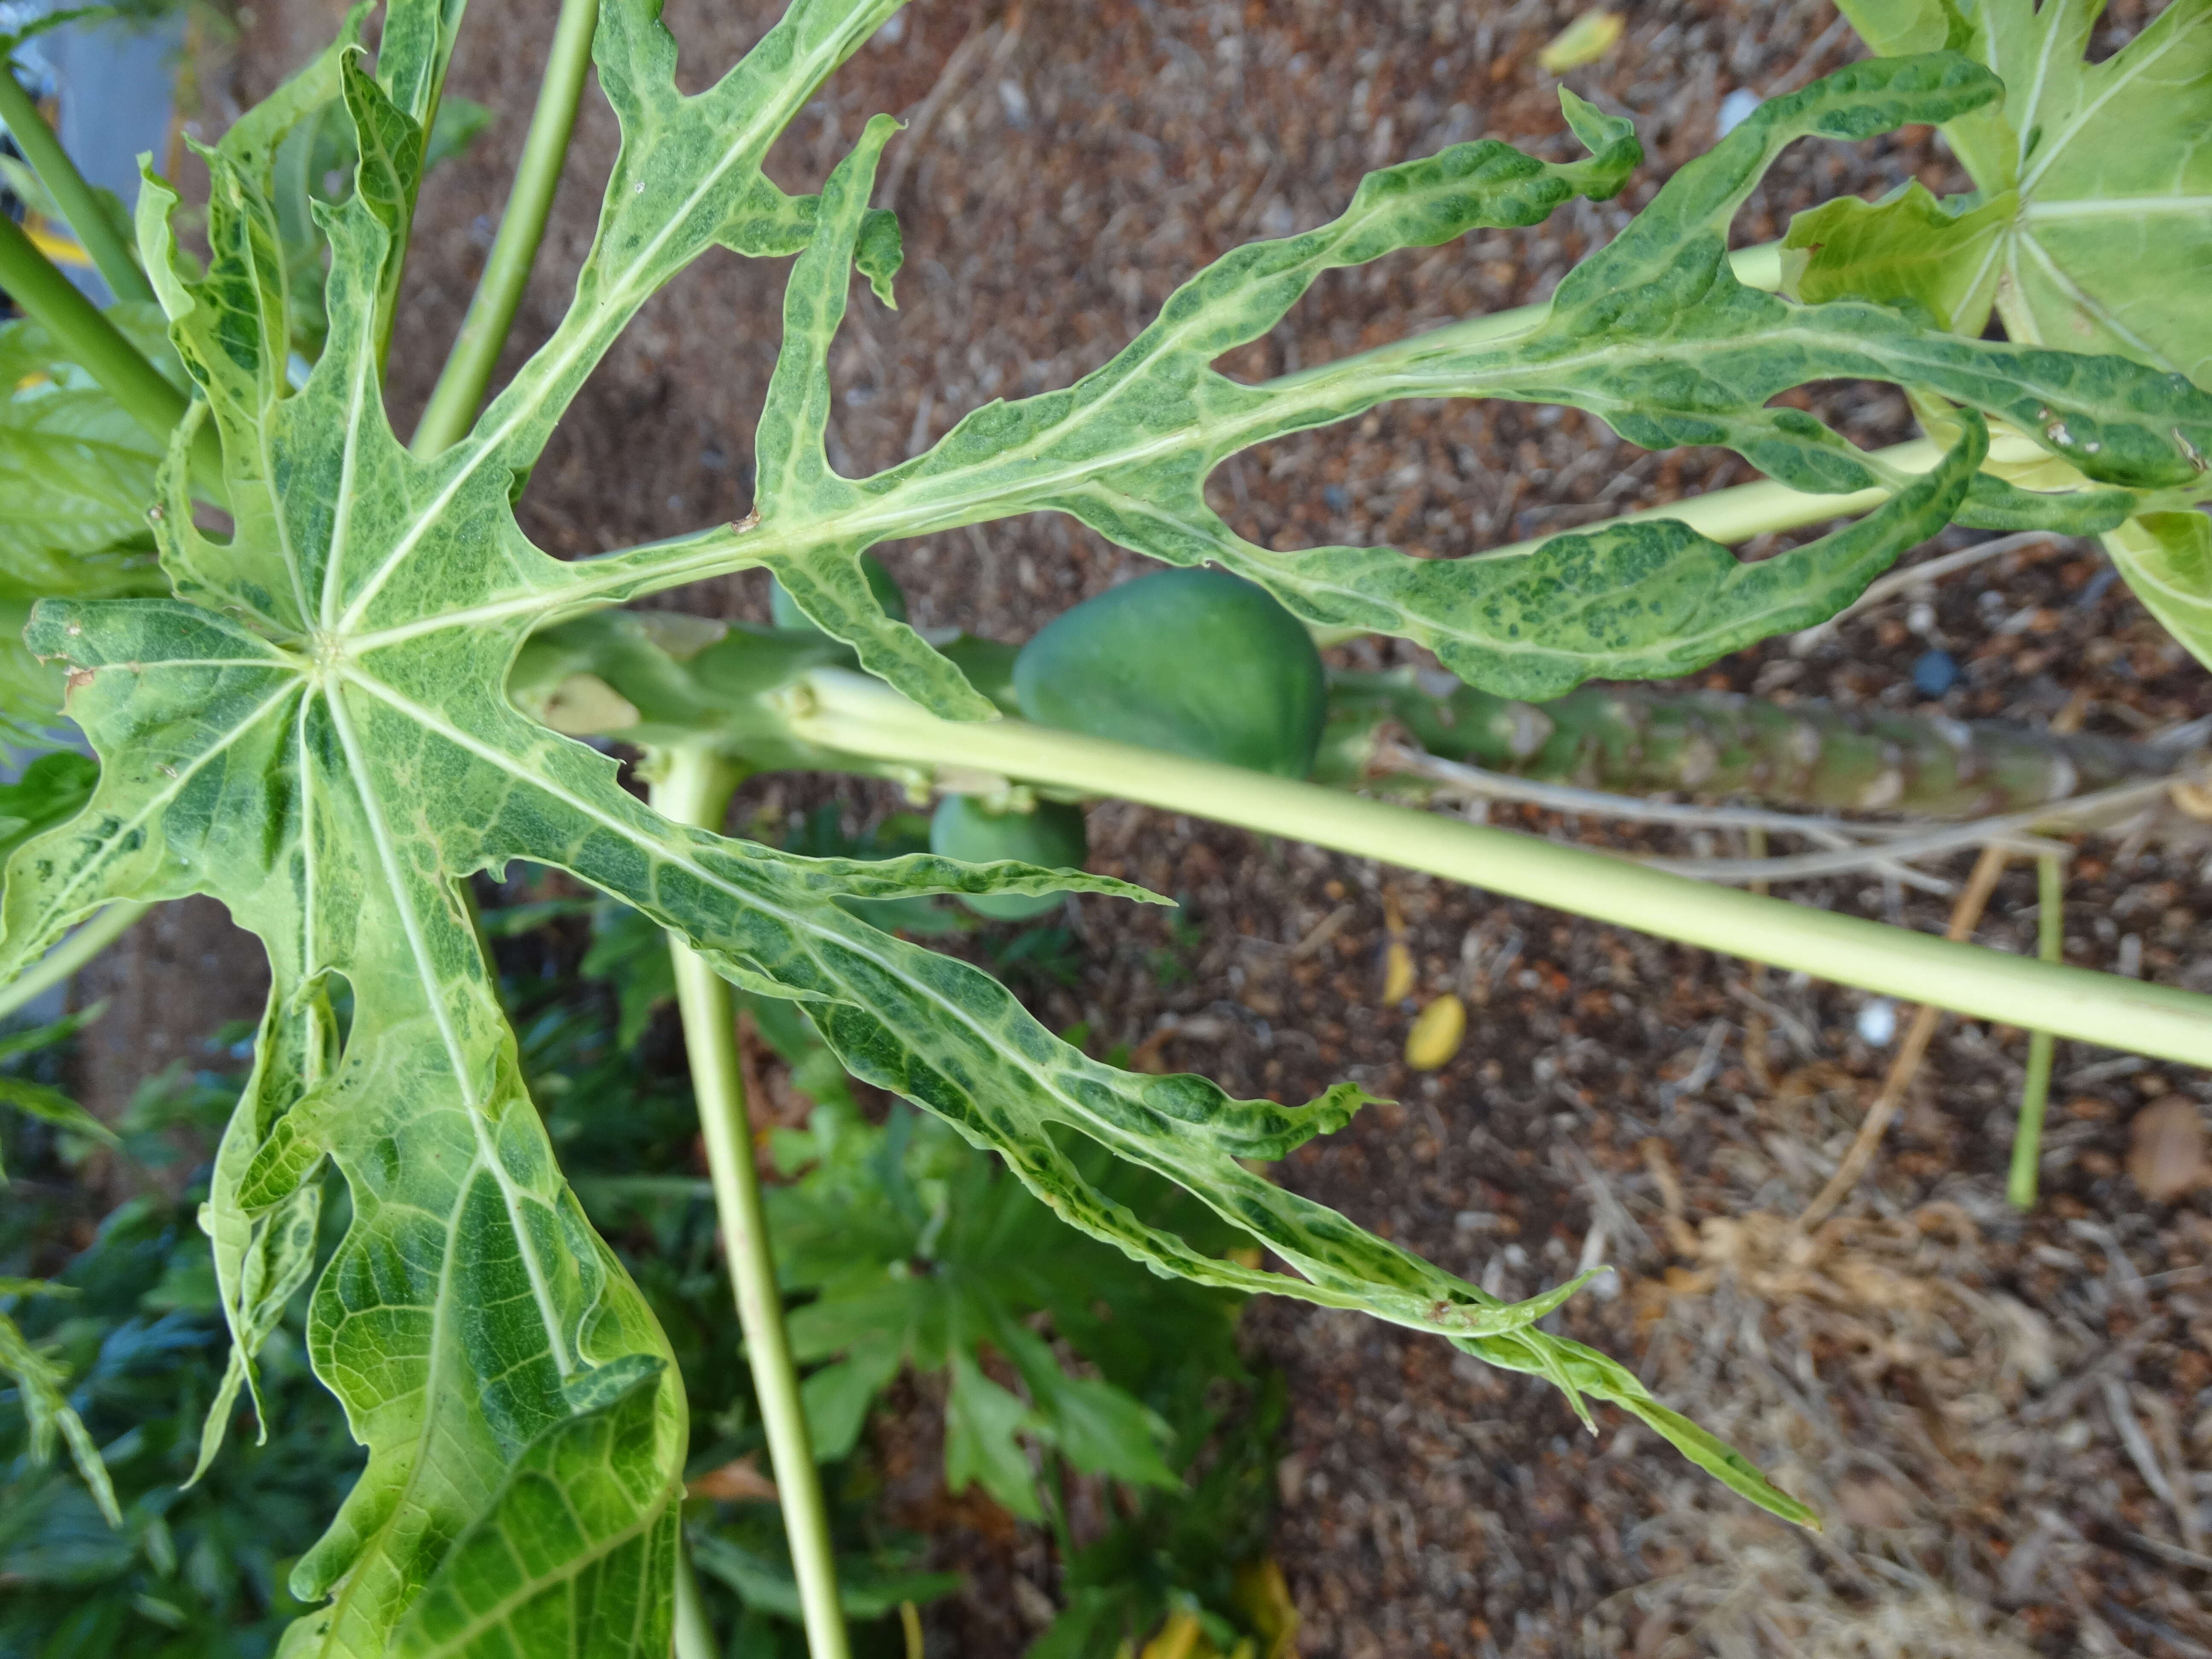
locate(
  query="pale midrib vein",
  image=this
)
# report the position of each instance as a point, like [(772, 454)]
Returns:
[(2089, 302), (2141, 576), (2115, 207), (456, 1056), (2118, 82), (1272, 1284), (2027, 121), (561, 354), (286, 551), (603, 1546), (2019, 315), (334, 567), (355, 1580), (1992, 251), (308, 895)]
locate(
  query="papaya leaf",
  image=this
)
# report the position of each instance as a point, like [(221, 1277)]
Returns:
[(576, 1551), (2114, 224), (2091, 223), (53, 787), (1910, 249), (76, 473), (262, 1258), (77, 477), (1653, 334), (2166, 558), (1898, 29), (76, 480), (2095, 183)]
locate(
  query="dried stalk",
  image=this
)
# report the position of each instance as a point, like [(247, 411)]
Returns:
[(1847, 845), (1964, 916)]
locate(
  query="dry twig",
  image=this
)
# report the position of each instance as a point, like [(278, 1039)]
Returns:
[(1963, 915)]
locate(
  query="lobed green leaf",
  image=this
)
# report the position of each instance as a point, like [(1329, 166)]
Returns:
[(1653, 334)]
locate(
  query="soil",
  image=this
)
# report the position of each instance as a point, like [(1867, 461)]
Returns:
[(2000, 1418), (180, 975)]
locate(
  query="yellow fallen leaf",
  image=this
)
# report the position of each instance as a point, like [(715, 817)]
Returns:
[(61, 249), (1437, 1034), (1397, 973), (1179, 1639), (1585, 40), (1264, 1598)]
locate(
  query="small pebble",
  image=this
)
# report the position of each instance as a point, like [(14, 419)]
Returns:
[(1936, 672), (1877, 1023), (1735, 110)]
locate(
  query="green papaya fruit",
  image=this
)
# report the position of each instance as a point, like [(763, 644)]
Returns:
[(1052, 837), (884, 586), (1198, 662), (987, 664)]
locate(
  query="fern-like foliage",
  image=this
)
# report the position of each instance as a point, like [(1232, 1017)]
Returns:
[(313, 727)]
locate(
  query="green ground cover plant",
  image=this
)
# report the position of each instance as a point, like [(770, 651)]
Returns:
[(347, 685)]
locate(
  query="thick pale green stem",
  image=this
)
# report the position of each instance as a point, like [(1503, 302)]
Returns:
[(1743, 511), (468, 370), (86, 338), (1754, 267), (111, 254), (694, 786), (694, 1635), (62, 962), (94, 344), (2035, 1088), (862, 717)]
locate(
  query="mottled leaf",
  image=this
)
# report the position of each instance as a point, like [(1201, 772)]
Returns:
[(264, 1255), (577, 1550), (1653, 334)]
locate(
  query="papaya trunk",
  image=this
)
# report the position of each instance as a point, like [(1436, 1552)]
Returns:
[(1638, 741)]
